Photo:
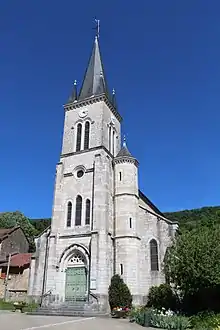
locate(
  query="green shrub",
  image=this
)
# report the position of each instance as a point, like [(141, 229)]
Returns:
[(205, 320), (176, 322), (162, 296), (118, 293), (4, 305), (149, 317), (141, 315)]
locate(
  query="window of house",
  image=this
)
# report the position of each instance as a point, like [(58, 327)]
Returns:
[(87, 212), (78, 137), (78, 214), (154, 255), (69, 214), (86, 137)]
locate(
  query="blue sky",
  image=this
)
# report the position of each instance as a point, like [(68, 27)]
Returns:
[(163, 59)]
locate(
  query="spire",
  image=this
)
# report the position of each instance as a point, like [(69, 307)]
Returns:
[(94, 82), (114, 102), (124, 152), (124, 142), (73, 96)]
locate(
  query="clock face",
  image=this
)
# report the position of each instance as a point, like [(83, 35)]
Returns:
[(83, 113)]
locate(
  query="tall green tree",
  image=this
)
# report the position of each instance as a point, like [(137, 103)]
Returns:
[(119, 293), (193, 262)]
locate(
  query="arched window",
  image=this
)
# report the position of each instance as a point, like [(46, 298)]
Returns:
[(78, 214), (87, 212), (69, 214), (79, 137), (154, 255), (86, 136)]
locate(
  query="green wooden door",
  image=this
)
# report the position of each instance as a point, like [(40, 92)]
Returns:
[(75, 283)]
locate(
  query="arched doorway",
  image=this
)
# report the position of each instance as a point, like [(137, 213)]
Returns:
[(76, 278)]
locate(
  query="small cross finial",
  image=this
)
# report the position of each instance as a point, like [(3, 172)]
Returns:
[(75, 82), (124, 141), (97, 27), (113, 91)]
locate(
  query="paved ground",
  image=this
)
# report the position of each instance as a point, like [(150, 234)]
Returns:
[(18, 321)]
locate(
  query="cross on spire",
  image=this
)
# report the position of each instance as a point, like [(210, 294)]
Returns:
[(97, 27)]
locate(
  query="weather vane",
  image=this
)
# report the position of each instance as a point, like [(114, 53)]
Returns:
[(97, 27)]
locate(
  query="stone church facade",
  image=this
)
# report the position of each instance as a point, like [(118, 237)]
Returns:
[(102, 224)]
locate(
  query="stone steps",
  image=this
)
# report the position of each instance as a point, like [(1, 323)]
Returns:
[(67, 312), (69, 309)]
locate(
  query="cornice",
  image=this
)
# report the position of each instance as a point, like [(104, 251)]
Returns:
[(94, 99)]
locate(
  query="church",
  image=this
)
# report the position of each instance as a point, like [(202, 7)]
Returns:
[(102, 224)]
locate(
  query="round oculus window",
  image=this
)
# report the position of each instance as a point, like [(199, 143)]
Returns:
[(79, 173)]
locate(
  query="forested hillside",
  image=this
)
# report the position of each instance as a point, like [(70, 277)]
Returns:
[(188, 219)]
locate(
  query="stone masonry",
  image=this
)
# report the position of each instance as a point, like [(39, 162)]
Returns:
[(102, 223)]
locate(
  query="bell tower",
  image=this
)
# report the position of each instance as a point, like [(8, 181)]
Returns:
[(84, 187)]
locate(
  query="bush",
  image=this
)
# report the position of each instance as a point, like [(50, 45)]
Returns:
[(118, 293), (205, 321), (140, 315), (149, 317), (162, 296), (176, 322), (5, 305)]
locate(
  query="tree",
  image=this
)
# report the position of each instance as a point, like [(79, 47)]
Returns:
[(119, 293), (192, 263), (40, 224), (193, 260), (12, 219)]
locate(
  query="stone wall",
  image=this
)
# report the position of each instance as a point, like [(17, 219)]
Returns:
[(17, 285)]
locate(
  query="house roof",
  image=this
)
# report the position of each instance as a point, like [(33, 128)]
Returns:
[(4, 232), (19, 260)]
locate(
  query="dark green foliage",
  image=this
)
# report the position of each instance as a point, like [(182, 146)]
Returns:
[(205, 321), (118, 293), (162, 296), (192, 265), (149, 317), (12, 219), (175, 322), (189, 219), (40, 224), (141, 316)]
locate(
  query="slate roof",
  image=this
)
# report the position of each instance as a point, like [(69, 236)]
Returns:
[(149, 203), (4, 232), (124, 152), (94, 82)]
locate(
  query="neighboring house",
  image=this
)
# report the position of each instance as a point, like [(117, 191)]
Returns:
[(13, 241), (102, 224)]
